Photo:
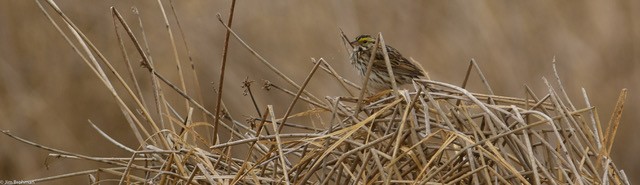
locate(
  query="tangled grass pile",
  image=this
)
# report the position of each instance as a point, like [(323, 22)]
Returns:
[(435, 133)]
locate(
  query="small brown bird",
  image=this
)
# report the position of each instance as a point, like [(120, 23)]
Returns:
[(404, 70)]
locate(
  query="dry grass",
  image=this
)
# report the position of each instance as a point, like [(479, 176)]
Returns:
[(435, 133)]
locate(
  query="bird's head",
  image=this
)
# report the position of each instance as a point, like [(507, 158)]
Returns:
[(365, 42)]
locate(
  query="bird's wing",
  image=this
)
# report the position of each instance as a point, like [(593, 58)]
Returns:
[(402, 66)]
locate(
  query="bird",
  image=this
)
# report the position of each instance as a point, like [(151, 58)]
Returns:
[(404, 70)]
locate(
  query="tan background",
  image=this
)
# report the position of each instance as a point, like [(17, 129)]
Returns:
[(47, 93)]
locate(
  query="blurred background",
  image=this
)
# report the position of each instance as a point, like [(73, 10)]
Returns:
[(47, 93)]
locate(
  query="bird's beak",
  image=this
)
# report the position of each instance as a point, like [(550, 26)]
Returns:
[(354, 43)]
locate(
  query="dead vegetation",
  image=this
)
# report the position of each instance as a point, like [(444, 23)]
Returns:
[(434, 133)]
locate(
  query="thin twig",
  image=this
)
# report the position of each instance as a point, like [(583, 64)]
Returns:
[(222, 70), (174, 48), (366, 77), (385, 53), (484, 80), (246, 85), (264, 61), (304, 84)]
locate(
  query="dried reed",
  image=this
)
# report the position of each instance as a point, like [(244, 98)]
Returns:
[(435, 133)]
